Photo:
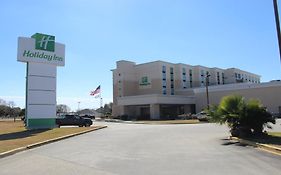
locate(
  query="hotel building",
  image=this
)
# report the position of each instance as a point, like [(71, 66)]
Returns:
[(162, 90)]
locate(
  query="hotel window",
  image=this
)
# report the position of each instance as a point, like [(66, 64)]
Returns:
[(239, 76), (218, 78), (202, 77), (184, 83), (164, 69), (164, 91), (183, 71), (172, 80), (222, 74), (164, 82), (202, 73), (172, 73), (172, 91), (190, 78), (171, 70)]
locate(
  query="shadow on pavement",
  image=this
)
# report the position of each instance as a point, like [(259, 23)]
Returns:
[(21, 134), (227, 142)]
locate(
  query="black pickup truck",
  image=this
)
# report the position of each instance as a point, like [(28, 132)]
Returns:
[(73, 120)]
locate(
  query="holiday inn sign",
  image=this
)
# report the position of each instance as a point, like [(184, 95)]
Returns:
[(42, 55), (41, 48)]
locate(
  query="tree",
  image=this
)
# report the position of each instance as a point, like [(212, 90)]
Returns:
[(22, 112), (62, 108), (243, 117), (3, 110), (106, 109)]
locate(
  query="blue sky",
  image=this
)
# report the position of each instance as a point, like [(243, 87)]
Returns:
[(97, 33)]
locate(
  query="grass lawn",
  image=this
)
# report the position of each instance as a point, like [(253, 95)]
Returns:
[(275, 134), (169, 122), (14, 135)]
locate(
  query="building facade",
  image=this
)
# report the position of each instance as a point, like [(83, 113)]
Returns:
[(162, 90)]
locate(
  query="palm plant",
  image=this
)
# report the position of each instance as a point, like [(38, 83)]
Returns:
[(242, 117)]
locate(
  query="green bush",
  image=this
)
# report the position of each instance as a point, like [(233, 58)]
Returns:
[(243, 117)]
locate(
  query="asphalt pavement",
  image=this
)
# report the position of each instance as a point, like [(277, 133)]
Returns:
[(137, 149)]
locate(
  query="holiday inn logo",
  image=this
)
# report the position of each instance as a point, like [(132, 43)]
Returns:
[(41, 48), (44, 42)]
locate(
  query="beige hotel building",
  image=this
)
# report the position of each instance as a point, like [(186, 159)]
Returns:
[(162, 90)]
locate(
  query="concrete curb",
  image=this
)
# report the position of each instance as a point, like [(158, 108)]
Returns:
[(265, 147), (14, 151)]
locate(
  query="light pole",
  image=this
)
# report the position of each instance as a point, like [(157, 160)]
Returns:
[(277, 25), (207, 91), (78, 106)]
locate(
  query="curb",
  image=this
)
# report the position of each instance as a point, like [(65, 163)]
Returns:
[(265, 147), (14, 151)]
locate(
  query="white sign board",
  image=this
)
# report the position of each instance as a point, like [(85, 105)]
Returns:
[(27, 52), (42, 55)]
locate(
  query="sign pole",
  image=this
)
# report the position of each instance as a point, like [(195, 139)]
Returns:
[(277, 25)]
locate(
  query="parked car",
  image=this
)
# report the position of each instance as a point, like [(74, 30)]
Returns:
[(88, 116), (276, 115), (186, 116), (202, 116), (73, 120)]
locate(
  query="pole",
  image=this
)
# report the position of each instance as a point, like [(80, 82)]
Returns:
[(277, 25), (101, 103), (78, 106), (207, 91)]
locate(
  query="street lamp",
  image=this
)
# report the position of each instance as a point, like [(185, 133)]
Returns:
[(78, 106), (207, 91), (277, 25)]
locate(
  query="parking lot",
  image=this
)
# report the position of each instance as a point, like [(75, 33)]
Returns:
[(139, 149)]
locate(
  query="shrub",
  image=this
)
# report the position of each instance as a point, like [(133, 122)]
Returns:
[(244, 118)]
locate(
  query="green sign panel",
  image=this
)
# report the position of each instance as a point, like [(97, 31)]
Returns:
[(144, 81), (44, 42)]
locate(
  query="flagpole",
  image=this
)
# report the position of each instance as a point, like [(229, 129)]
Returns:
[(101, 102)]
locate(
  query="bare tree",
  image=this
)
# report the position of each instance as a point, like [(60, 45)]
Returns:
[(62, 108)]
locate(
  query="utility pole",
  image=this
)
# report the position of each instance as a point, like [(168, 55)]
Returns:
[(207, 91), (277, 25), (78, 106)]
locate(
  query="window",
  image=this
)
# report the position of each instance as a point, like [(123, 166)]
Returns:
[(172, 91), (163, 69), (222, 74), (171, 70), (202, 73), (190, 78), (218, 78), (164, 82), (172, 80), (164, 92), (183, 71)]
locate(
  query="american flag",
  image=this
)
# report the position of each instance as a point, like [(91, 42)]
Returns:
[(95, 91)]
